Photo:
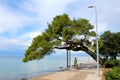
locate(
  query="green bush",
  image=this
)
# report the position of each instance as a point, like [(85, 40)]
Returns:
[(114, 74), (112, 63)]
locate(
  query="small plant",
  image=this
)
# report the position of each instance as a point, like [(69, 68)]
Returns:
[(113, 74), (112, 63)]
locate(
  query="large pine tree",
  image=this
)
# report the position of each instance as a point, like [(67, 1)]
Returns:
[(64, 33)]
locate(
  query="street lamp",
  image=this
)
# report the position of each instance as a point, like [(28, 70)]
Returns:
[(98, 68)]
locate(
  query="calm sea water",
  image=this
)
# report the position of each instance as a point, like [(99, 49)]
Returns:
[(12, 68)]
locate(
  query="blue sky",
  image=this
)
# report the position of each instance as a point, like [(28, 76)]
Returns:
[(22, 20)]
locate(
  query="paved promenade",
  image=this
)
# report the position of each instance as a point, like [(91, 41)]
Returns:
[(87, 72)]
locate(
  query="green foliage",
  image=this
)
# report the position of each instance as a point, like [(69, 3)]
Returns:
[(112, 63), (62, 29), (83, 27), (114, 74), (39, 47), (68, 33), (110, 44)]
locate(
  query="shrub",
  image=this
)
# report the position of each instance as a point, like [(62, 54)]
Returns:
[(114, 74), (112, 63)]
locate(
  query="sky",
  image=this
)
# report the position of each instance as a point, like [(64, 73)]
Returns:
[(22, 20)]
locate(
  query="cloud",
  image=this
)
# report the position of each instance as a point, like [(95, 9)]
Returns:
[(8, 20), (108, 12), (27, 38), (102, 27), (25, 19), (46, 9), (20, 42), (12, 21), (43, 11)]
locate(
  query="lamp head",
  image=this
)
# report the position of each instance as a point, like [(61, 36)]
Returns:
[(90, 6)]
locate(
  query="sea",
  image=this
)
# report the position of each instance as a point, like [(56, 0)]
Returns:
[(12, 67)]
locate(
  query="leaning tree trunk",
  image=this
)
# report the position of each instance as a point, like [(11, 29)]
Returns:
[(93, 55), (84, 48)]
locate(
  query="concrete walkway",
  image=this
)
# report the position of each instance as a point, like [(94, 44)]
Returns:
[(86, 73), (94, 76)]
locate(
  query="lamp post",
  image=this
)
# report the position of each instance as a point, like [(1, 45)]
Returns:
[(98, 68)]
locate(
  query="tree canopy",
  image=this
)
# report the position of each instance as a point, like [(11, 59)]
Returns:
[(110, 44), (63, 33)]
